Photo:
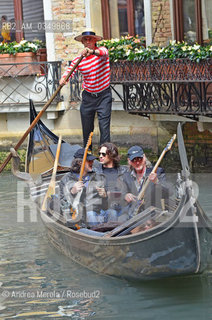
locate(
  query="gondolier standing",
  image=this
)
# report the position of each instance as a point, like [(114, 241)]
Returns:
[(96, 96)]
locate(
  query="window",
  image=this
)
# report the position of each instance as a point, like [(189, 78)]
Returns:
[(207, 21), (24, 17), (33, 16), (139, 18), (189, 21), (196, 16), (124, 16)]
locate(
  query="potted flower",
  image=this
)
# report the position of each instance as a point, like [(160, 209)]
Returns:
[(131, 61), (22, 53)]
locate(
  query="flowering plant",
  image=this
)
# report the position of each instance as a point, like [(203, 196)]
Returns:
[(119, 48), (22, 46), (131, 49)]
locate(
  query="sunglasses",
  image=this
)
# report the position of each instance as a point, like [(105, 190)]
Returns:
[(137, 159), (103, 154)]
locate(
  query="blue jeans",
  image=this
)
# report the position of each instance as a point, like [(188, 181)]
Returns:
[(94, 218)]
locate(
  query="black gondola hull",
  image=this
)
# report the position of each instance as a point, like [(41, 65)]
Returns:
[(179, 245), (164, 253)]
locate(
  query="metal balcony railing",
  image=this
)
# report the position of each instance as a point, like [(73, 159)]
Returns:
[(180, 87), (76, 87), (20, 82)]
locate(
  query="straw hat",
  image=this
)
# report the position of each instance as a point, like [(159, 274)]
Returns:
[(88, 33)]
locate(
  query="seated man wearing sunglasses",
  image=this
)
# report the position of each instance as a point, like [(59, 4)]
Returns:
[(114, 188)]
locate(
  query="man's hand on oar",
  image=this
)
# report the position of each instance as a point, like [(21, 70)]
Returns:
[(78, 186), (154, 171)]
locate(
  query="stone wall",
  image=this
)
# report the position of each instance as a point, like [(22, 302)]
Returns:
[(161, 22), (199, 147), (74, 10), (66, 48)]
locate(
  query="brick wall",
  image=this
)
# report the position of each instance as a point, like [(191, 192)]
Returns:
[(161, 22), (65, 46), (199, 147)]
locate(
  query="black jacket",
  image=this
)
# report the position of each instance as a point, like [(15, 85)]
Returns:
[(134, 188), (115, 196), (154, 192), (90, 198)]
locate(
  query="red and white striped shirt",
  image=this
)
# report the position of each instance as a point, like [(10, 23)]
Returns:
[(95, 71)]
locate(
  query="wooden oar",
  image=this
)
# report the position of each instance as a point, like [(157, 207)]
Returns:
[(136, 217), (75, 204), (51, 187), (154, 170), (39, 116), (85, 155)]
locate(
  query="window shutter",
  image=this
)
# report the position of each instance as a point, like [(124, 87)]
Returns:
[(33, 20), (7, 8)]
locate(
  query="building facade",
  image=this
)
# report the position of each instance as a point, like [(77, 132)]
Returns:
[(57, 22)]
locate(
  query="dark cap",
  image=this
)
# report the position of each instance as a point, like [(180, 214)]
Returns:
[(80, 153), (135, 152)]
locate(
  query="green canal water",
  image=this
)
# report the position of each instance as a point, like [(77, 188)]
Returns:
[(38, 282)]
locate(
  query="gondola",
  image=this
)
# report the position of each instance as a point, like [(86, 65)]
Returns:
[(178, 244)]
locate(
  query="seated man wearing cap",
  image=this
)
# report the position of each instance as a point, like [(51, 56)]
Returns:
[(91, 202), (139, 170), (96, 96)]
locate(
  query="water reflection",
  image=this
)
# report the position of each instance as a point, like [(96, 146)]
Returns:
[(38, 282), (204, 182)]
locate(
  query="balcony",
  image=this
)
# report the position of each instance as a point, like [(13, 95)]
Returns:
[(178, 87), (23, 81)]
